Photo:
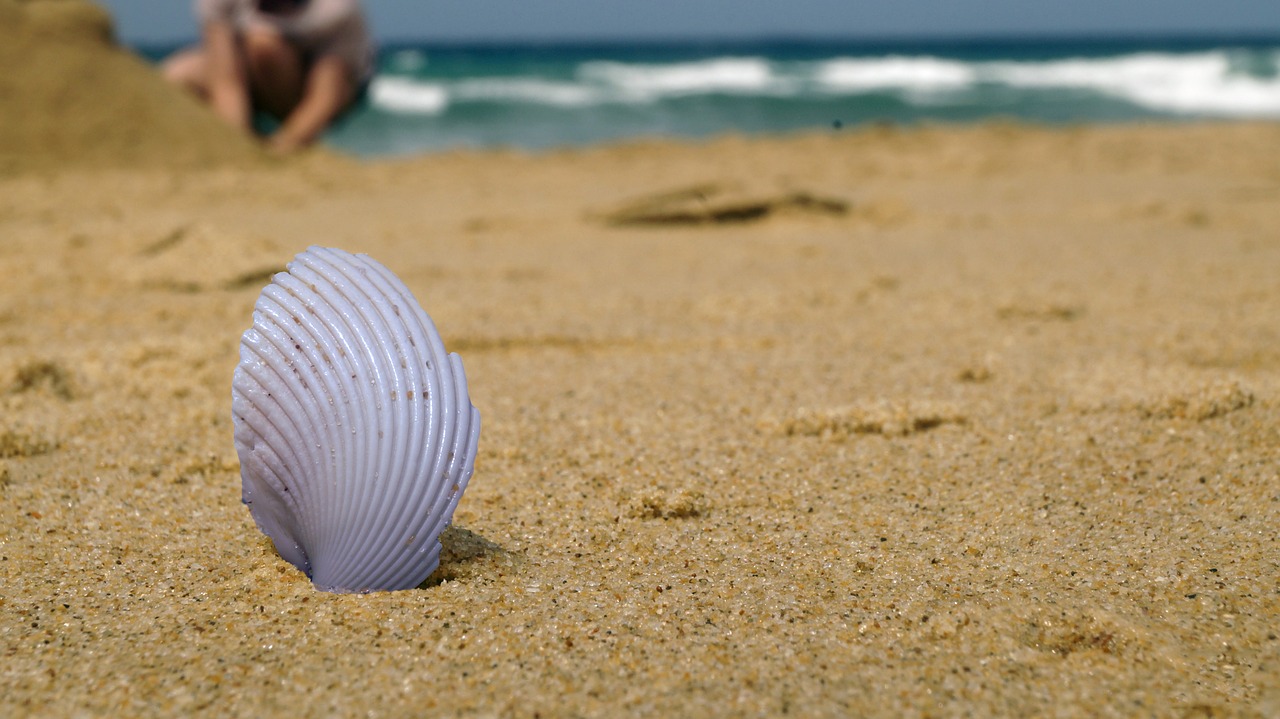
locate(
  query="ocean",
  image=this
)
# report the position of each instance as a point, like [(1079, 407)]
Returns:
[(432, 97)]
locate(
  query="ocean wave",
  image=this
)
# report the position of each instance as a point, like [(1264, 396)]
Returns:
[(1206, 83), (407, 61), (402, 95), (746, 76), (1213, 83), (514, 89), (1195, 83), (595, 83), (914, 73)]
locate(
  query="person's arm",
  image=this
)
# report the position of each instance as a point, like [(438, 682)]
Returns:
[(227, 82), (329, 88)]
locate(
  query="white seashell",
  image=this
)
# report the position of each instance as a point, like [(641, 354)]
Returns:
[(354, 429)]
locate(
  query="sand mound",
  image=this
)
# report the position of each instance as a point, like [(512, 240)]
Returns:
[(69, 96), (715, 203)]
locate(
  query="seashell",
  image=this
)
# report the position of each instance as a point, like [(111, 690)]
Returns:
[(355, 432)]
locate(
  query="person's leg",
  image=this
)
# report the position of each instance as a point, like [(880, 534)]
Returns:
[(188, 69), (276, 70), (329, 90), (214, 72)]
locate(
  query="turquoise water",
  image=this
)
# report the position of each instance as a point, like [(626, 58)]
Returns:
[(436, 97)]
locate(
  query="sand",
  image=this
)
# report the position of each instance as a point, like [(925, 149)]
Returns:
[(990, 429), (69, 96)]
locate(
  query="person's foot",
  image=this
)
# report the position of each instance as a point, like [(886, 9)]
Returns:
[(280, 145)]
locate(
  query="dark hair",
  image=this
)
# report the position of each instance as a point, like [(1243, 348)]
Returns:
[(277, 7)]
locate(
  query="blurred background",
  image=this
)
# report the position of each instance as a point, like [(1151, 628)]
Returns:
[(571, 72)]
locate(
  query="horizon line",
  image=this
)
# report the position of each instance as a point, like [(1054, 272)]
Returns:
[(1249, 36)]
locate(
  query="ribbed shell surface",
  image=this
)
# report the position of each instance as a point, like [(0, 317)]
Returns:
[(355, 432)]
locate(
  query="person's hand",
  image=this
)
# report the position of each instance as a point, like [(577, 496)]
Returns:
[(329, 89), (281, 145)]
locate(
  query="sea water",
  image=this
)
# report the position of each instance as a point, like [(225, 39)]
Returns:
[(429, 97)]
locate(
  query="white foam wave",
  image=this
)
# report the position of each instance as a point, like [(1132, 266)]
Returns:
[(404, 96), (1199, 83), (543, 92), (1194, 83), (727, 75), (909, 73), (1206, 83)]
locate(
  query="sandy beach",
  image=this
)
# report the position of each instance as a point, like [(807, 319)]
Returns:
[(962, 421)]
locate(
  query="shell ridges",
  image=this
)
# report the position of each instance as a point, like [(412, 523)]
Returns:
[(354, 427)]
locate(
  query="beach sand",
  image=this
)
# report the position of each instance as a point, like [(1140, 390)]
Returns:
[(971, 421)]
